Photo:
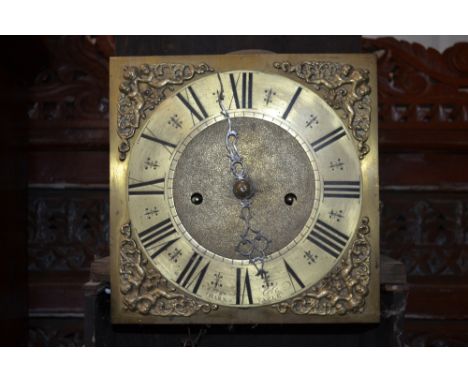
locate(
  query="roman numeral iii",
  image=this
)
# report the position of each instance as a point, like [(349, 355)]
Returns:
[(242, 99), (328, 238), (341, 189)]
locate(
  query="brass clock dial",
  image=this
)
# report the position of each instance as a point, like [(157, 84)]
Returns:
[(244, 189), (303, 168)]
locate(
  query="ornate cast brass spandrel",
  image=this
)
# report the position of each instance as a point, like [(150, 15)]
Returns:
[(344, 289), (345, 88), (145, 291), (143, 88)]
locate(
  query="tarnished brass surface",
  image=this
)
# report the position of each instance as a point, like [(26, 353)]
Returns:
[(345, 89), (342, 291), (337, 90), (146, 291), (143, 88), (270, 153)]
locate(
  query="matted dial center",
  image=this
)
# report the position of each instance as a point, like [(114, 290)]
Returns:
[(276, 164)]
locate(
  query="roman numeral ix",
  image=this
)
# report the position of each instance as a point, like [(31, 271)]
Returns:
[(243, 100), (189, 275), (199, 114), (328, 238), (341, 189), (328, 139)]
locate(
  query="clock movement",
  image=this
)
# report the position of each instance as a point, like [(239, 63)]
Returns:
[(244, 189)]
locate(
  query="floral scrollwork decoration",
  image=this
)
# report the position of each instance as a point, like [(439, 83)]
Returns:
[(345, 88), (143, 88), (145, 291), (344, 289)]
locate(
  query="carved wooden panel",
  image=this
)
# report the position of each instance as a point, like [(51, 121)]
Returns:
[(55, 332), (68, 111), (67, 229), (68, 143), (419, 86), (427, 231), (69, 98), (423, 121)]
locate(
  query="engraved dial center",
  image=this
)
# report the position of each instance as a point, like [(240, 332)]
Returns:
[(277, 164)]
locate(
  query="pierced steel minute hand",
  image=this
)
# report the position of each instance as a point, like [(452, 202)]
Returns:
[(252, 244)]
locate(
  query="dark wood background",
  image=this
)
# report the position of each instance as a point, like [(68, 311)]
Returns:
[(62, 86)]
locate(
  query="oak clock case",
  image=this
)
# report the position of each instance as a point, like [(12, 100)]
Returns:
[(244, 189)]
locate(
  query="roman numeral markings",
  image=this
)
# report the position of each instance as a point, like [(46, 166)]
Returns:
[(243, 288), (189, 275), (244, 100), (157, 232), (163, 247), (292, 102), (132, 187), (341, 189), (328, 238), (197, 110), (167, 145), (328, 139), (293, 277)]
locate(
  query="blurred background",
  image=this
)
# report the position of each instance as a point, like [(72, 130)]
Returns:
[(54, 169)]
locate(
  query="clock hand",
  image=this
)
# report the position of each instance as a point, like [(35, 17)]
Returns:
[(252, 248)]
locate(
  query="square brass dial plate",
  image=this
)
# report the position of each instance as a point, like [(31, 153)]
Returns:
[(307, 128)]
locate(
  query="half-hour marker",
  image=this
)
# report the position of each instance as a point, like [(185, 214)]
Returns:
[(157, 140), (341, 189), (245, 99), (292, 102), (328, 139), (157, 232), (199, 114), (293, 276), (189, 277), (163, 247), (328, 238), (243, 288), (143, 184)]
